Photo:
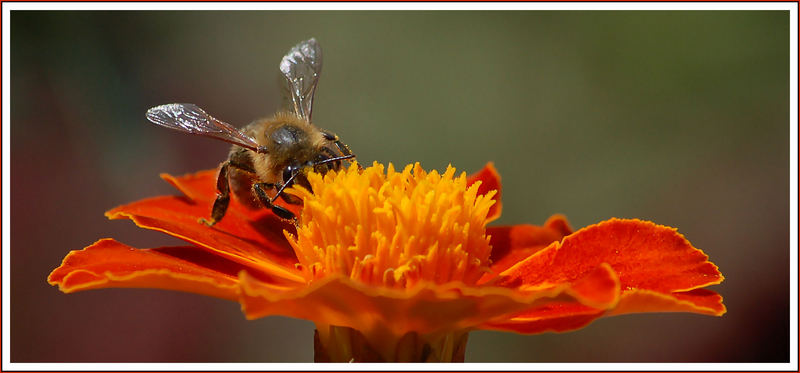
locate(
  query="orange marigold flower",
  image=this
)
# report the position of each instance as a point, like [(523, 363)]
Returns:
[(400, 265)]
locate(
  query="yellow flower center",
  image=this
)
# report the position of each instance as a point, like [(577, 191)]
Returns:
[(393, 229)]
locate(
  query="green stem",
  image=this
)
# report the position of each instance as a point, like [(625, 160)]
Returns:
[(341, 344)]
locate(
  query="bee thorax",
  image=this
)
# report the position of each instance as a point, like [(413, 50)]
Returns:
[(287, 137)]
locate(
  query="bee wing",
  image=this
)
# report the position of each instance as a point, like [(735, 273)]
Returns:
[(302, 67), (192, 119)]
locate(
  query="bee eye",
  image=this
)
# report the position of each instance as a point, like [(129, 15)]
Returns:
[(287, 173)]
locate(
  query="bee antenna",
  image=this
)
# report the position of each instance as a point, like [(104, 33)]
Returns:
[(334, 159), (261, 149)]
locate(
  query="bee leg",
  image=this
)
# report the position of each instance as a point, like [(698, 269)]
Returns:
[(346, 151), (343, 148), (329, 136), (288, 198), (268, 202), (223, 197)]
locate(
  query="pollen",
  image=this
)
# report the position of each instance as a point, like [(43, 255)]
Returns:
[(393, 229)]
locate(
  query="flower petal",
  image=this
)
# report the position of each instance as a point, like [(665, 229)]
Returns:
[(512, 244), (490, 180), (199, 186), (644, 255), (597, 291), (553, 317), (254, 239), (658, 269), (108, 263), (566, 316), (696, 301), (380, 311)]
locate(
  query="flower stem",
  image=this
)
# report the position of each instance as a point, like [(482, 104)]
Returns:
[(342, 344)]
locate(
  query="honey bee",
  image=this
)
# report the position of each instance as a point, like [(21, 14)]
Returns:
[(268, 155)]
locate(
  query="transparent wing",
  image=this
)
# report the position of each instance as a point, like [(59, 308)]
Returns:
[(302, 67), (192, 119)]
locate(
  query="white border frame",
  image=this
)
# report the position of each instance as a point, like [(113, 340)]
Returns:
[(6, 192)]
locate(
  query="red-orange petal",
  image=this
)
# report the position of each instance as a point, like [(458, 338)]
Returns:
[(199, 186), (490, 180), (234, 238), (553, 317), (512, 244), (658, 269), (696, 301), (376, 311), (597, 291), (251, 237), (110, 264), (643, 254), (566, 316)]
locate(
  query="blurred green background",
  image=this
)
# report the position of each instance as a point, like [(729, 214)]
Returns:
[(678, 117)]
